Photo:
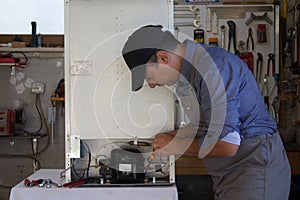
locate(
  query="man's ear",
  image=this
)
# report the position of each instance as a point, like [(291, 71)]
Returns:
[(163, 55)]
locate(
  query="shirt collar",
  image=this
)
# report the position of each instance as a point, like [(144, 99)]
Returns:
[(186, 67)]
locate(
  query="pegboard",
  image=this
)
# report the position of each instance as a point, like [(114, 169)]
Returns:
[(211, 18)]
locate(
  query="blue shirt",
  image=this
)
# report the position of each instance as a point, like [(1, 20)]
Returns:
[(245, 111)]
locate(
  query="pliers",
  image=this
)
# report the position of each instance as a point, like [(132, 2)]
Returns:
[(259, 63), (271, 64), (232, 35), (250, 38)]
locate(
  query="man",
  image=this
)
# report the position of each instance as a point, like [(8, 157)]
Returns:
[(229, 125)]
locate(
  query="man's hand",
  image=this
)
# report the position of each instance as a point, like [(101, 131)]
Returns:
[(162, 139), (170, 144)]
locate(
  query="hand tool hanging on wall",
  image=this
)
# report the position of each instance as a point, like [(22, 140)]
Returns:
[(259, 65), (195, 15), (254, 17), (191, 8), (295, 43), (208, 20), (288, 46), (248, 58), (232, 35), (250, 38), (262, 33), (266, 96), (214, 23), (271, 64), (195, 23), (223, 29)]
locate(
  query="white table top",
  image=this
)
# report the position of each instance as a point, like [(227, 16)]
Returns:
[(20, 192)]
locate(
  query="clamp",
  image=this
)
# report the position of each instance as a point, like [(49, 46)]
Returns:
[(271, 63), (232, 35), (259, 63), (250, 38)]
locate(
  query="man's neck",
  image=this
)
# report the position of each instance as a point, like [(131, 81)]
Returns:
[(180, 51)]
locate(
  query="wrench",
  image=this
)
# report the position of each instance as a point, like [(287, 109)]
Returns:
[(190, 8), (195, 23), (195, 16)]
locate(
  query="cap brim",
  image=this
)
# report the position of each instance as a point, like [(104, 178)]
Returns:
[(138, 77), (136, 61)]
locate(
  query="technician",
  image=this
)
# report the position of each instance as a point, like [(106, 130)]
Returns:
[(229, 126)]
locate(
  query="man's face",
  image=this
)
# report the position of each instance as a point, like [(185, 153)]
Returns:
[(162, 72)]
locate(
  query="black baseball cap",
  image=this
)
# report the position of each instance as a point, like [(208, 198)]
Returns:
[(139, 48)]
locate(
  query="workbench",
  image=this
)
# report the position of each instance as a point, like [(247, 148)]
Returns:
[(20, 192)]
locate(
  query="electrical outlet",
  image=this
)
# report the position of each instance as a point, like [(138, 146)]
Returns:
[(37, 88)]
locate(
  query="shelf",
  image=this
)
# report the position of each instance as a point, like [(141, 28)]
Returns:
[(8, 64), (23, 136), (33, 49)]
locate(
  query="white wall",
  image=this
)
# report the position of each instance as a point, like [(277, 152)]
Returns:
[(16, 16)]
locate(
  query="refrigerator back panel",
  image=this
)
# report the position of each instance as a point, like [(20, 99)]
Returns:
[(101, 103)]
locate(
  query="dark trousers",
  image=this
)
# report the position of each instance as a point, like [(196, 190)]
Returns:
[(259, 171)]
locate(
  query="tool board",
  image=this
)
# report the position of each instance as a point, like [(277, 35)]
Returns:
[(211, 18)]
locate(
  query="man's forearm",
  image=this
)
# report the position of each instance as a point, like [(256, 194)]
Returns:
[(220, 149)]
